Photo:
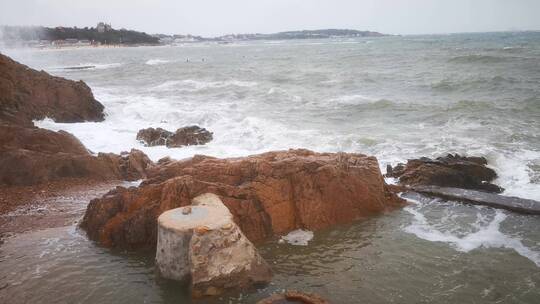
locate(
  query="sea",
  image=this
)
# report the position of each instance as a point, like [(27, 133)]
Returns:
[(394, 97)]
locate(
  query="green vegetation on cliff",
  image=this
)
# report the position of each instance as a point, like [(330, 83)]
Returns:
[(102, 34)]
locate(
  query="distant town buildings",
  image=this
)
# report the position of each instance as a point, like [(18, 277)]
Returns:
[(103, 27)]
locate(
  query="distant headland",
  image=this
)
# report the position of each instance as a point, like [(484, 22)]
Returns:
[(304, 34), (105, 34), (102, 34)]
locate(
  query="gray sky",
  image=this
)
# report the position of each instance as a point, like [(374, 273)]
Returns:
[(218, 17)]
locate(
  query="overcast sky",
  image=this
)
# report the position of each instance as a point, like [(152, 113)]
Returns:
[(218, 17)]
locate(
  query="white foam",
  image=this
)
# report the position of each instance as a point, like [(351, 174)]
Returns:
[(190, 85), (298, 237), (89, 66), (156, 61), (485, 233), (355, 99)]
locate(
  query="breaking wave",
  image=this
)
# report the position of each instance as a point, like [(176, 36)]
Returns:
[(190, 85), (156, 61), (464, 231), (478, 58), (89, 66)]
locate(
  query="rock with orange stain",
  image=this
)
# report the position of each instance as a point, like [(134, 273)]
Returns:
[(268, 194)]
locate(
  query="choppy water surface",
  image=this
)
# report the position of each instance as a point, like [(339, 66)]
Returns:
[(393, 97)]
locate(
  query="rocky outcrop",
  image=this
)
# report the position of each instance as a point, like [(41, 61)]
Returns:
[(27, 94), (268, 194), (30, 155), (186, 136), (449, 171)]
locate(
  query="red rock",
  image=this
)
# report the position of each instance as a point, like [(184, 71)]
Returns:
[(268, 194), (30, 155), (27, 94)]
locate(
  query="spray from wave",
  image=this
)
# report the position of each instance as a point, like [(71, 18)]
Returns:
[(468, 229)]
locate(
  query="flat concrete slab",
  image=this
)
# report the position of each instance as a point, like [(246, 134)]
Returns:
[(516, 204)]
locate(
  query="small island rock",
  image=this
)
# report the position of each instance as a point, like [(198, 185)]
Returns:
[(186, 136)]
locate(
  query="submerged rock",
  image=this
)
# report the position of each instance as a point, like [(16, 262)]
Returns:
[(27, 94), (186, 136), (449, 171), (268, 194), (294, 297), (515, 204), (205, 247)]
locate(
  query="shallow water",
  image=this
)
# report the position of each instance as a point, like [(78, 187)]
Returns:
[(375, 260), (393, 97)]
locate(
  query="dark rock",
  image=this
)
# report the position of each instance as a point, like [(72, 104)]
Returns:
[(187, 136), (294, 297), (154, 137), (511, 203), (449, 171), (26, 94)]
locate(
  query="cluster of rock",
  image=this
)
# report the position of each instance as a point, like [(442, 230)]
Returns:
[(448, 171), (458, 178), (186, 136), (30, 155), (268, 194)]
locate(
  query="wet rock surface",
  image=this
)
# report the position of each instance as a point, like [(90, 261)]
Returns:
[(516, 204), (448, 171), (268, 194), (186, 136), (27, 94), (293, 296)]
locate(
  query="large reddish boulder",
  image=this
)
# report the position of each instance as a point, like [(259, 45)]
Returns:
[(448, 171), (268, 194), (30, 155), (27, 94)]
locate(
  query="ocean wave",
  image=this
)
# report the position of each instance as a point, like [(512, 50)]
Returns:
[(464, 231), (190, 85), (358, 100), (478, 58), (156, 61), (472, 83), (89, 66)]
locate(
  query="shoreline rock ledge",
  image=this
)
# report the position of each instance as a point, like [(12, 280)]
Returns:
[(202, 245), (269, 194)]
